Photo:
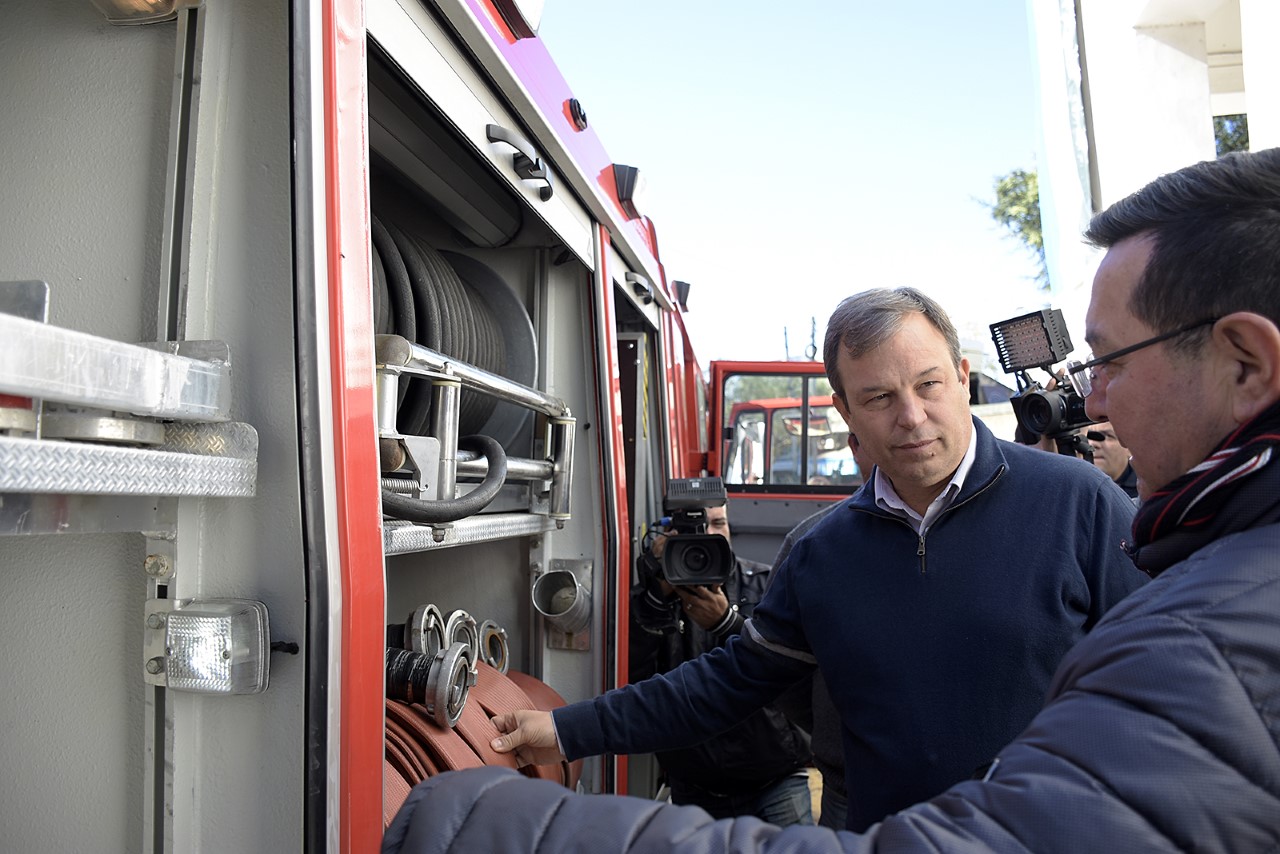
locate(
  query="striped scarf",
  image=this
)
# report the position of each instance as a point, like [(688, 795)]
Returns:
[(1234, 489)]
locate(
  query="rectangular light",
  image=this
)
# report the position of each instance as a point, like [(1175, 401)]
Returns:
[(209, 646), (139, 11)]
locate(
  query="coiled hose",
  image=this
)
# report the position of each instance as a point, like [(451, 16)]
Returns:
[(451, 510)]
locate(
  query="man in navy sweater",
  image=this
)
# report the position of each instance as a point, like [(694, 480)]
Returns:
[(937, 600)]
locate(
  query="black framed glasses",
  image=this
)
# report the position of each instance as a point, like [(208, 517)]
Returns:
[(1083, 382)]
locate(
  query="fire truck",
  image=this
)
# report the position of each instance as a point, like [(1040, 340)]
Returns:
[(340, 378)]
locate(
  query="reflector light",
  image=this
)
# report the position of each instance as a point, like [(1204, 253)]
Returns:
[(211, 646)]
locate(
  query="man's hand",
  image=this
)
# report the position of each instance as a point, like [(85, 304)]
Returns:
[(706, 606), (530, 734)]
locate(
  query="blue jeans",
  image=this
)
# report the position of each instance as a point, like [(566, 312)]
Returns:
[(782, 803), (835, 807)]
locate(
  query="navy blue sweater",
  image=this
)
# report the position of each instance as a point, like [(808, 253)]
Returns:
[(937, 650)]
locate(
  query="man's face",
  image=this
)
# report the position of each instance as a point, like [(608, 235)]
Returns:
[(909, 409), (718, 521), (1167, 409), (1108, 454)]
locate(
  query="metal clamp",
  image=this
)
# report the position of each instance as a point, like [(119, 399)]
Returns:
[(448, 685), (424, 631), (494, 649), (460, 627)]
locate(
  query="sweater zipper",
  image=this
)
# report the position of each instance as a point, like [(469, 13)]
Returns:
[(920, 552), (889, 517)]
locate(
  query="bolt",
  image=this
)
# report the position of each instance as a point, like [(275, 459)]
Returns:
[(155, 621), (155, 665), (437, 534), (157, 566)]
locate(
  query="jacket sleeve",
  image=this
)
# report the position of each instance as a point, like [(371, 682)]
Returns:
[(700, 698)]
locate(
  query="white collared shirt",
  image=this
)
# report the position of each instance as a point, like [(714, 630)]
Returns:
[(887, 497)]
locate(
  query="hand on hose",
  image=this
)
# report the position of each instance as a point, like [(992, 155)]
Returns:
[(530, 734), (706, 606)]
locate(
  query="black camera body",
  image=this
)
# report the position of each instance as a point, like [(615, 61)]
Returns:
[(1037, 340), (1049, 413), (694, 557)]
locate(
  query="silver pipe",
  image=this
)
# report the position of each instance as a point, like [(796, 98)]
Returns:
[(388, 389), (562, 436), (472, 464), (446, 394), (395, 351)]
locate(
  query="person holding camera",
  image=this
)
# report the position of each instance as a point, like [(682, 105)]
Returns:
[(758, 766), (1112, 457), (1161, 730)]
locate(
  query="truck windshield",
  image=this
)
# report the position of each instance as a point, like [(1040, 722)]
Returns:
[(783, 430)]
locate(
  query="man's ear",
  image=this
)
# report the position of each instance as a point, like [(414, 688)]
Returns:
[(1250, 346)]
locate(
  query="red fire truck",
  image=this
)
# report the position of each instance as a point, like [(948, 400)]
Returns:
[(338, 366)]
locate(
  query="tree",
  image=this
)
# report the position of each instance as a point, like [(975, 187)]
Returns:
[(1017, 208), (1231, 133)]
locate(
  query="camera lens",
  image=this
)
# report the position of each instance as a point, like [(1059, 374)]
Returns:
[(697, 559), (1041, 413)]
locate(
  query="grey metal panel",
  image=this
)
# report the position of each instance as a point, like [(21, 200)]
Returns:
[(760, 524), (83, 145), (238, 761), (83, 124)]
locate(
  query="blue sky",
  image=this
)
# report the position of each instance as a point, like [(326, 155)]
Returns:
[(798, 153)]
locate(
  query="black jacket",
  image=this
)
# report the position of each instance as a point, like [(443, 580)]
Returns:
[(750, 756)]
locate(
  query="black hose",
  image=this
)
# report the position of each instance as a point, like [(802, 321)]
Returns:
[(400, 301), (451, 510), (407, 674)]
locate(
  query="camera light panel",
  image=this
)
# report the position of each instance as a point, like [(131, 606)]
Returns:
[(1031, 341)]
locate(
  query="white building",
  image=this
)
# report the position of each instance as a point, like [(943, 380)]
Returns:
[(1128, 90)]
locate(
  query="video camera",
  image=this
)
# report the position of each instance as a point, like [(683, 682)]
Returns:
[(1037, 340), (694, 557)]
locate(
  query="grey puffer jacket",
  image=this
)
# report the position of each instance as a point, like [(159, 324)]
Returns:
[(1161, 733)]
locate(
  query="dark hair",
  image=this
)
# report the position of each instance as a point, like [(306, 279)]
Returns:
[(1215, 232), (864, 321)]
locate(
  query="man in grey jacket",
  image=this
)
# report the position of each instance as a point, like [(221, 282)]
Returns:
[(1161, 731)]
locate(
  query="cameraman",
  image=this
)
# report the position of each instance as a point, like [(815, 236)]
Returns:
[(1112, 457), (757, 767)]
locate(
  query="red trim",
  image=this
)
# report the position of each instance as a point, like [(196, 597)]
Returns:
[(620, 578), (355, 445)]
